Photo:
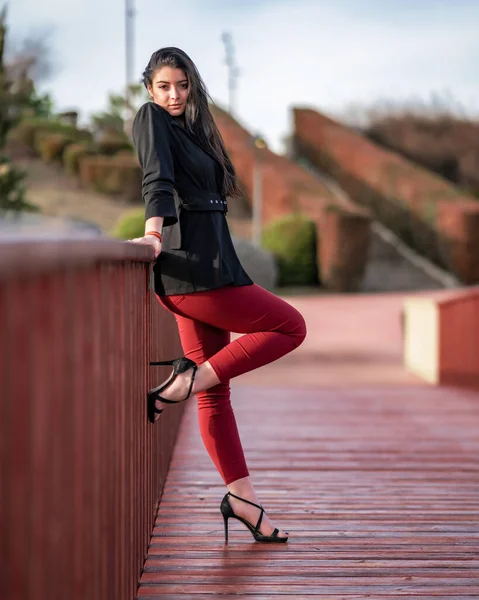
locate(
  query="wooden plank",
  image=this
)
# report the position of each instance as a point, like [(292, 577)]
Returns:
[(305, 596), (379, 590), (360, 528)]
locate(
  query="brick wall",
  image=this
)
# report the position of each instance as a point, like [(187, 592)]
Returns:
[(427, 212), (342, 227)]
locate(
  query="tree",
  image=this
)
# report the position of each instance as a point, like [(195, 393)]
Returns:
[(6, 119), (112, 121), (26, 66), (28, 62), (31, 56), (12, 192)]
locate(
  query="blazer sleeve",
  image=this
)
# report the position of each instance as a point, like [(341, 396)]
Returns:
[(151, 138)]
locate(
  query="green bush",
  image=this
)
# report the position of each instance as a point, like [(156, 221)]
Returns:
[(125, 153), (111, 144), (118, 176), (73, 153), (12, 189), (130, 225), (28, 129), (292, 240), (50, 146)]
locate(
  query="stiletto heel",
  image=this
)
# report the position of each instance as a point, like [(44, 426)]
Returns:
[(226, 528), (180, 365), (228, 513)]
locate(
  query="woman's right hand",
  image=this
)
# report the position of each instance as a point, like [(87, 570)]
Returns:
[(148, 240)]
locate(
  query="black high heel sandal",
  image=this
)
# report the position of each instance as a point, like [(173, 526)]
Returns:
[(180, 365), (228, 513)]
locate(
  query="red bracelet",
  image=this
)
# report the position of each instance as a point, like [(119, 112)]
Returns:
[(157, 234)]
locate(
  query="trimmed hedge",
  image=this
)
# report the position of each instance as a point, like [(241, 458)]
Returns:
[(119, 176), (110, 144), (50, 146), (130, 225), (125, 153), (73, 153), (292, 240), (27, 130)]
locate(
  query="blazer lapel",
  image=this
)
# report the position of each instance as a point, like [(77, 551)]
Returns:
[(196, 141)]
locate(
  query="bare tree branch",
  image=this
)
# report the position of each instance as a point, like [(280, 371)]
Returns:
[(32, 56)]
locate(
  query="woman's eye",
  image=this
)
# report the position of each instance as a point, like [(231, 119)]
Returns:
[(184, 86), (162, 87)]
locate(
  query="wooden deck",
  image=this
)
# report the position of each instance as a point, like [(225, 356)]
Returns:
[(374, 474)]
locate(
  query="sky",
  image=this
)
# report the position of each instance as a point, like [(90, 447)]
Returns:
[(332, 55)]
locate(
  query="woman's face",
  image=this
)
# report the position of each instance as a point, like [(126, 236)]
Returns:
[(170, 89)]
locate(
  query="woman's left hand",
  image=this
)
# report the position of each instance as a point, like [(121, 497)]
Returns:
[(148, 240)]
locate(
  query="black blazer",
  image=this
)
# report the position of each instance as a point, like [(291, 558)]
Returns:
[(182, 182)]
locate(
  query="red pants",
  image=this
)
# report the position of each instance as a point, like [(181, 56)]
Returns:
[(205, 319)]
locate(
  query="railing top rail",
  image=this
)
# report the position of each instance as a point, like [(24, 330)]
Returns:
[(25, 255)]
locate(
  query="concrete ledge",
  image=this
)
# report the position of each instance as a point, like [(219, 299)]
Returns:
[(441, 337)]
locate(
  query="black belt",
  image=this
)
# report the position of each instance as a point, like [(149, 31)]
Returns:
[(201, 201)]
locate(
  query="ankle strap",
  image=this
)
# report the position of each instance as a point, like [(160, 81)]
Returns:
[(247, 501), (193, 375), (258, 524)]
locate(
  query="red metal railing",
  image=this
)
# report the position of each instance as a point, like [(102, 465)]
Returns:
[(81, 470)]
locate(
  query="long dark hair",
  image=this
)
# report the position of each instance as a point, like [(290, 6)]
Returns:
[(198, 118)]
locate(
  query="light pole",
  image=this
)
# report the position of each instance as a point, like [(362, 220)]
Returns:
[(129, 61), (233, 70), (259, 146)]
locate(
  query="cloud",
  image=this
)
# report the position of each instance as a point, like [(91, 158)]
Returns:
[(325, 53)]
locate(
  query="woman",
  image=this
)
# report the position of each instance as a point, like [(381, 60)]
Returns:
[(187, 178)]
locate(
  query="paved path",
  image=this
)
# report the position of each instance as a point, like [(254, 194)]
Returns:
[(374, 474)]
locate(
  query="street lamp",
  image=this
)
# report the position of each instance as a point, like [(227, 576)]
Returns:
[(233, 71), (259, 145), (129, 62)]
